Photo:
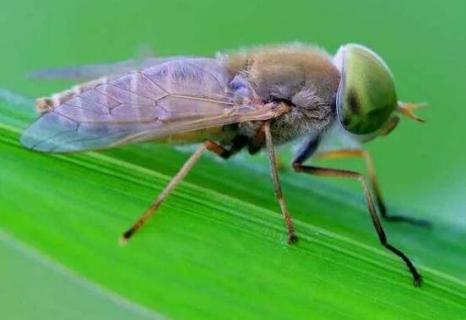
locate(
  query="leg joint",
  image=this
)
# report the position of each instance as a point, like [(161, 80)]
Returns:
[(298, 167), (217, 149)]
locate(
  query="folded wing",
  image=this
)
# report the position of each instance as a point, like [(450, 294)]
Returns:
[(179, 95)]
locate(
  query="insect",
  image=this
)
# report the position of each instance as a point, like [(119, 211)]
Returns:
[(251, 99)]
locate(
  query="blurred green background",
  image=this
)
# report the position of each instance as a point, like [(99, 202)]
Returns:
[(422, 168)]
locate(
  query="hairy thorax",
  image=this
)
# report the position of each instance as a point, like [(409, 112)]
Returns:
[(303, 77)]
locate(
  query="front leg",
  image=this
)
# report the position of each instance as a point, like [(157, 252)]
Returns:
[(337, 154), (328, 172), (309, 150)]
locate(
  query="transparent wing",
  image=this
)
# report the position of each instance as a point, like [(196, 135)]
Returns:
[(177, 96), (93, 71)]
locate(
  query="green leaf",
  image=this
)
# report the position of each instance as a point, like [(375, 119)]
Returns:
[(217, 245)]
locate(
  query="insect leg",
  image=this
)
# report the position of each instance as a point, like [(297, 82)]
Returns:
[(335, 154), (188, 165), (327, 172), (292, 238), (218, 149), (221, 151), (307, 150)]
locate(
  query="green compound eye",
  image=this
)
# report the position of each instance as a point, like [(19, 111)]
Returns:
[(366, 96)]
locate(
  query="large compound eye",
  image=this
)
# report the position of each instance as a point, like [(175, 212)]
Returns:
[(366, 96)]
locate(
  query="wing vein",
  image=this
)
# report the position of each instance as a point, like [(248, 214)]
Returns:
[(189, 97), (153, 82), (98, 89)]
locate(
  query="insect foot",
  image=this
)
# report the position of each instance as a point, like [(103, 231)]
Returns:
[(292, 239), (417, 280)]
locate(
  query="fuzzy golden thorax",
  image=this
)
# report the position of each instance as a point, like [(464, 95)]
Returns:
[(302, 76)]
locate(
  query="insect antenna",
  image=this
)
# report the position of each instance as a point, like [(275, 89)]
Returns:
[(408, 110)]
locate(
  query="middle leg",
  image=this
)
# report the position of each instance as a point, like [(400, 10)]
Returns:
[(225, 153), (292, 238)]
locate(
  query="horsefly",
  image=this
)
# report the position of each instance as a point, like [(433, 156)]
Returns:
[(251, 99)]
